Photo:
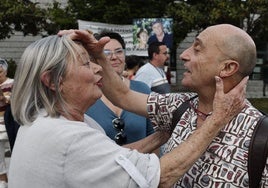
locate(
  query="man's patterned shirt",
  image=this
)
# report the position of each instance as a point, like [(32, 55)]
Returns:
[(224, 163)]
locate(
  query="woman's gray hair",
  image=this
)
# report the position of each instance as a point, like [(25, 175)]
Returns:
[(29, 94)]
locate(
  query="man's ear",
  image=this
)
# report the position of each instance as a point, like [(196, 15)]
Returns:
[(45, 78), (229, 68), (154, 54)]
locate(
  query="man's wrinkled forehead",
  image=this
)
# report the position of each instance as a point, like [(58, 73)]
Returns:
[(205, 34), (208, 37)]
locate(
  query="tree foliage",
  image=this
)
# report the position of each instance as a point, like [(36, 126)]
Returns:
[(59, 18), (188, 15), (117, 11), (197, 15), (22, 16)]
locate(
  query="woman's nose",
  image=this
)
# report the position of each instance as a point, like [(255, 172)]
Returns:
[(96, 68)]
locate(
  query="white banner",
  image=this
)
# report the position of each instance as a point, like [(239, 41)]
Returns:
[(126, 31)]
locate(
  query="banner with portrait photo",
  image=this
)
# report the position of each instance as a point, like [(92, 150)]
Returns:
[(126, 31), (147, 30)]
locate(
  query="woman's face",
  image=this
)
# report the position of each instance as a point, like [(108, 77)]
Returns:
[(116, 55), (81, 85), (143, 37)]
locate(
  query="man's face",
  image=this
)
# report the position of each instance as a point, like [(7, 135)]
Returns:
[(201, 61), (163, 55), (158, 28)]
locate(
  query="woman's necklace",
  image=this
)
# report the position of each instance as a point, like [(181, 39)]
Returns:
[(202, 115)]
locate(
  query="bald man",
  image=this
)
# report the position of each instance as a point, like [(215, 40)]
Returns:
[(220, 50)]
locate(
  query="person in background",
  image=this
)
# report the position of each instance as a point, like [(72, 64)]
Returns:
[(122, 126), (152, 73), (221, 50), (5, 92), (133, 63), (142, 37), (160, 35), (56, 81)]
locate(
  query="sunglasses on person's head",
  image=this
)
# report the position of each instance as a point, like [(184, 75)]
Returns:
[(119, 125)]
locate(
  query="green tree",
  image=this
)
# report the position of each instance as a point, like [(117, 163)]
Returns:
[(117, 11), (59, 18), (197, 15), (20, 15)]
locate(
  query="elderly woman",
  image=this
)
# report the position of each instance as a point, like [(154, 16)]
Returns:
[(59, 146)]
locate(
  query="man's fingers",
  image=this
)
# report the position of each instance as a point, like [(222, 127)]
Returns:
[(219, 85), (65, 32), (104, 40), (231, 102)]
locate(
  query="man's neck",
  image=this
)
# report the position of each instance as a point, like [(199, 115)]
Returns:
[(155, 64)]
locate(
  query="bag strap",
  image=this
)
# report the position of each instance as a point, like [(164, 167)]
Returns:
[(258, 150), (179, 111)]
